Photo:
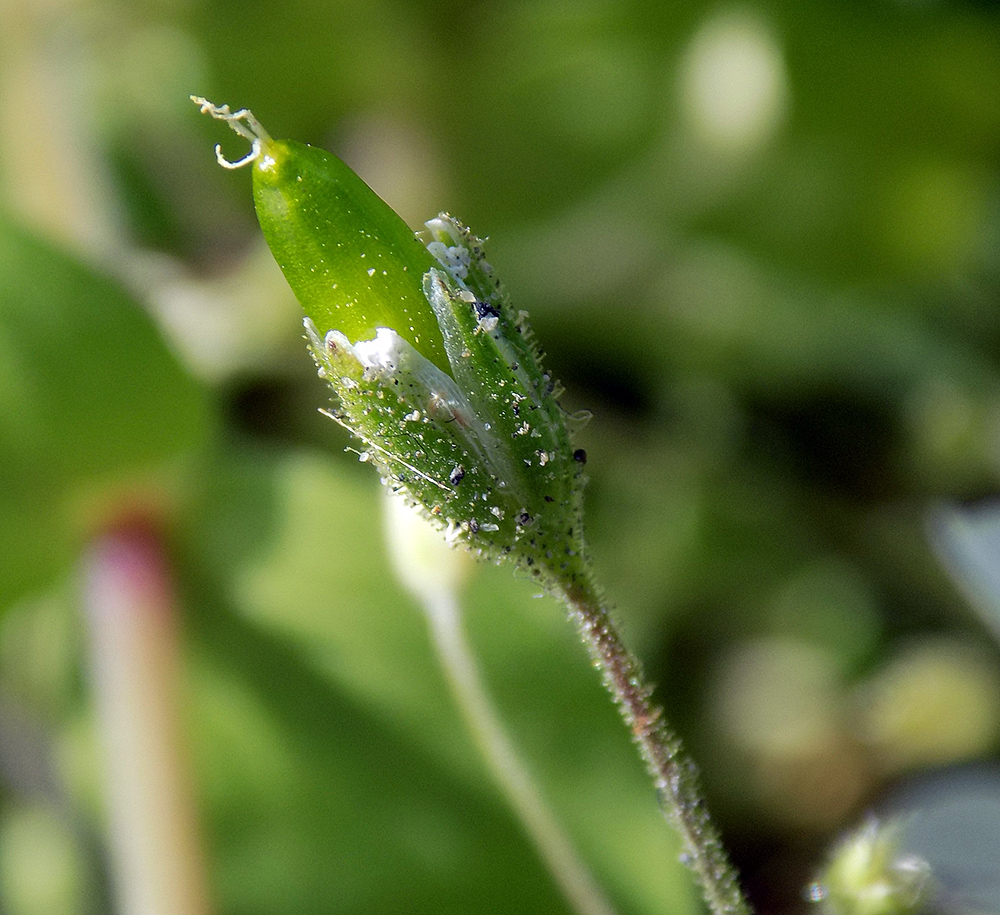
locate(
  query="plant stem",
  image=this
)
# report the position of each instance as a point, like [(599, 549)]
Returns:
[(134, 657), (434, 573), (674, 774), (554, 847)]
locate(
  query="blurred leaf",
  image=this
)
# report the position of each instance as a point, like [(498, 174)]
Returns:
[(314, 798), (35, 541), (90, 398), (950, 821), (968, 543), (336, 765)]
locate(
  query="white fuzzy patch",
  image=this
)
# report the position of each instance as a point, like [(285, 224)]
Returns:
[(384, 353)]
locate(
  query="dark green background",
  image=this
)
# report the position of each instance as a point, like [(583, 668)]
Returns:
[(788, 337)]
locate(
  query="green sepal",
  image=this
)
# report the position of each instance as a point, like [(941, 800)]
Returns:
[(353, 264), (497, 365), (486, 450)]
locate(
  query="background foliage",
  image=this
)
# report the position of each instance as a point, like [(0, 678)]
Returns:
[(758, 240)]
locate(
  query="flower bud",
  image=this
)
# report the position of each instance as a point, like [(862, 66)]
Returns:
[(867, 874), (352, 262), (430, 365)]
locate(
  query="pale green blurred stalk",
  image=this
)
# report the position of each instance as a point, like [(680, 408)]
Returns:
[(156, 856), (434, 572), (51, 172)]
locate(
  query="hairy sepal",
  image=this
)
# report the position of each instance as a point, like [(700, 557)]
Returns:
[(485, 451)]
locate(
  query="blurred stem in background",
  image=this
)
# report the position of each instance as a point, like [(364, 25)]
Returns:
[(434, 572), (47, 132), (129, 608)]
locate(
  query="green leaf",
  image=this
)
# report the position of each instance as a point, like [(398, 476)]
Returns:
[(334, 763), (91, 397)]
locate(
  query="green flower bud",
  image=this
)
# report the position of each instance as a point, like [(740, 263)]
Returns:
[(868, 875), (430, 365)]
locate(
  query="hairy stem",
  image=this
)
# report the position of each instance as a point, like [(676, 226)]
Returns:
[(673, 772)]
